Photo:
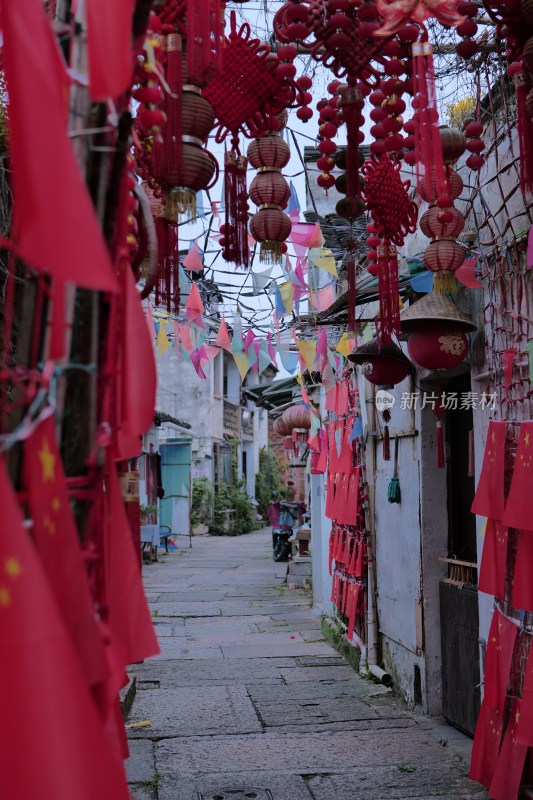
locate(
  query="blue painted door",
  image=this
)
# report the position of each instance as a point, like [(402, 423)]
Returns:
[(176, 476)]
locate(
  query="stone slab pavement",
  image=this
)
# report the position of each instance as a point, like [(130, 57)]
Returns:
[(247, 701)]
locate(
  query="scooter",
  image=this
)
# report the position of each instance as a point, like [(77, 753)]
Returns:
[(283, 516)]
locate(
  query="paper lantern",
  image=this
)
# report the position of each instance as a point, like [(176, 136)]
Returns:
[(297, 417), (438, 224), (281, 427), (453, 144), (382, 367), (437, 345), (271, 227)]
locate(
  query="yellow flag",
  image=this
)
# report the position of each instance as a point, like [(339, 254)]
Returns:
[(307, 350), (162, 343), (286, 291), (345, 345), (242, 364), (323, 259)]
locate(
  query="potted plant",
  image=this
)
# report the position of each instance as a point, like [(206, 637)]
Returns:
[(149, 514), (201, 506)]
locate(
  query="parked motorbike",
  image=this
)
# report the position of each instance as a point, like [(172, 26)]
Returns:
[(283, 516)]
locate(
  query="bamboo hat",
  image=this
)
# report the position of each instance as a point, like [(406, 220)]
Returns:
[(435, 307)]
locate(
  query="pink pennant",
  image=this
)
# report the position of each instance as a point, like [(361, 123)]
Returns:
[(223, 338), (194, 305), (271, 350), (150, 321), (257, 347), (322, 299), (193, 259), (196, 358), (250, 336), (466, 274), (185, 336)]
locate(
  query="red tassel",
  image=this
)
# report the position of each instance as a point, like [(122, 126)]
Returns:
[(173, 103), (525, 133), (386, 444), (389, 298), (203, 40), (236, 202), (352, 102), (352, 294), (428, 147), (441, 460), (167, 288)]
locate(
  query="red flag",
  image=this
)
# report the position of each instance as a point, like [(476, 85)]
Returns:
[(502, 635), (510, 765), (488, 501), (56, 539), (56, 745), (56, 229), (486, 745), (110, 47), (494, 559), (129, 617), (525, 725), (518, 509), (523, 571), (139, 376)]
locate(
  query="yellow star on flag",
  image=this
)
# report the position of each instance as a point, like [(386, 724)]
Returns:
[(526, 439), (48, 462), (5, 597), (56, 504), (12, 567)]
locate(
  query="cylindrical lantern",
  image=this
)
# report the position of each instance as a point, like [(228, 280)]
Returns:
[(270, 192)]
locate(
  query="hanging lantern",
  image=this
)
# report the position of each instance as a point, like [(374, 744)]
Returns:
[(297, 416), (281, 427), (180, 164), (270, 192), (436, 329), (382, 367)]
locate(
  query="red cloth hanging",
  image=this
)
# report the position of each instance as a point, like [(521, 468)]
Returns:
[(60, 237), (57, 542), (489, 500), (109, 40), (517, 512), (494, 560), (67, 754), (502, 636)]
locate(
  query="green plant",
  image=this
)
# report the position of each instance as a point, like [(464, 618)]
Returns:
[(268, 486), (201, 501), (233, 498), (148, 514)]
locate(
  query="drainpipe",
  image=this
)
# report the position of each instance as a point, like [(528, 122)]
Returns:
[(372, 633)]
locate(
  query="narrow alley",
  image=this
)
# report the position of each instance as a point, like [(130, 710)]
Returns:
[(248, 700)]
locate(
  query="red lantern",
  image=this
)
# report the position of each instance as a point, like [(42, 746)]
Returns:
[(437, 345), (297, 417), (270, 226), (438, 224), (383, 367)]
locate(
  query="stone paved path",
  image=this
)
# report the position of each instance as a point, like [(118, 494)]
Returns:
[(248, 701)]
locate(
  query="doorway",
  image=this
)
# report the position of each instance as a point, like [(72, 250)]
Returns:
[(458, 592)]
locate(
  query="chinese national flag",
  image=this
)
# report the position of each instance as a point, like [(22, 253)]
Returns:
[(494, 559), (56, 747), (518, 508), (502, 636), (57, 543), (486, 745), (523, 573), (525, 725), (488, 500), (110, 47), (55, 226), (510, 765), (129, 617)]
